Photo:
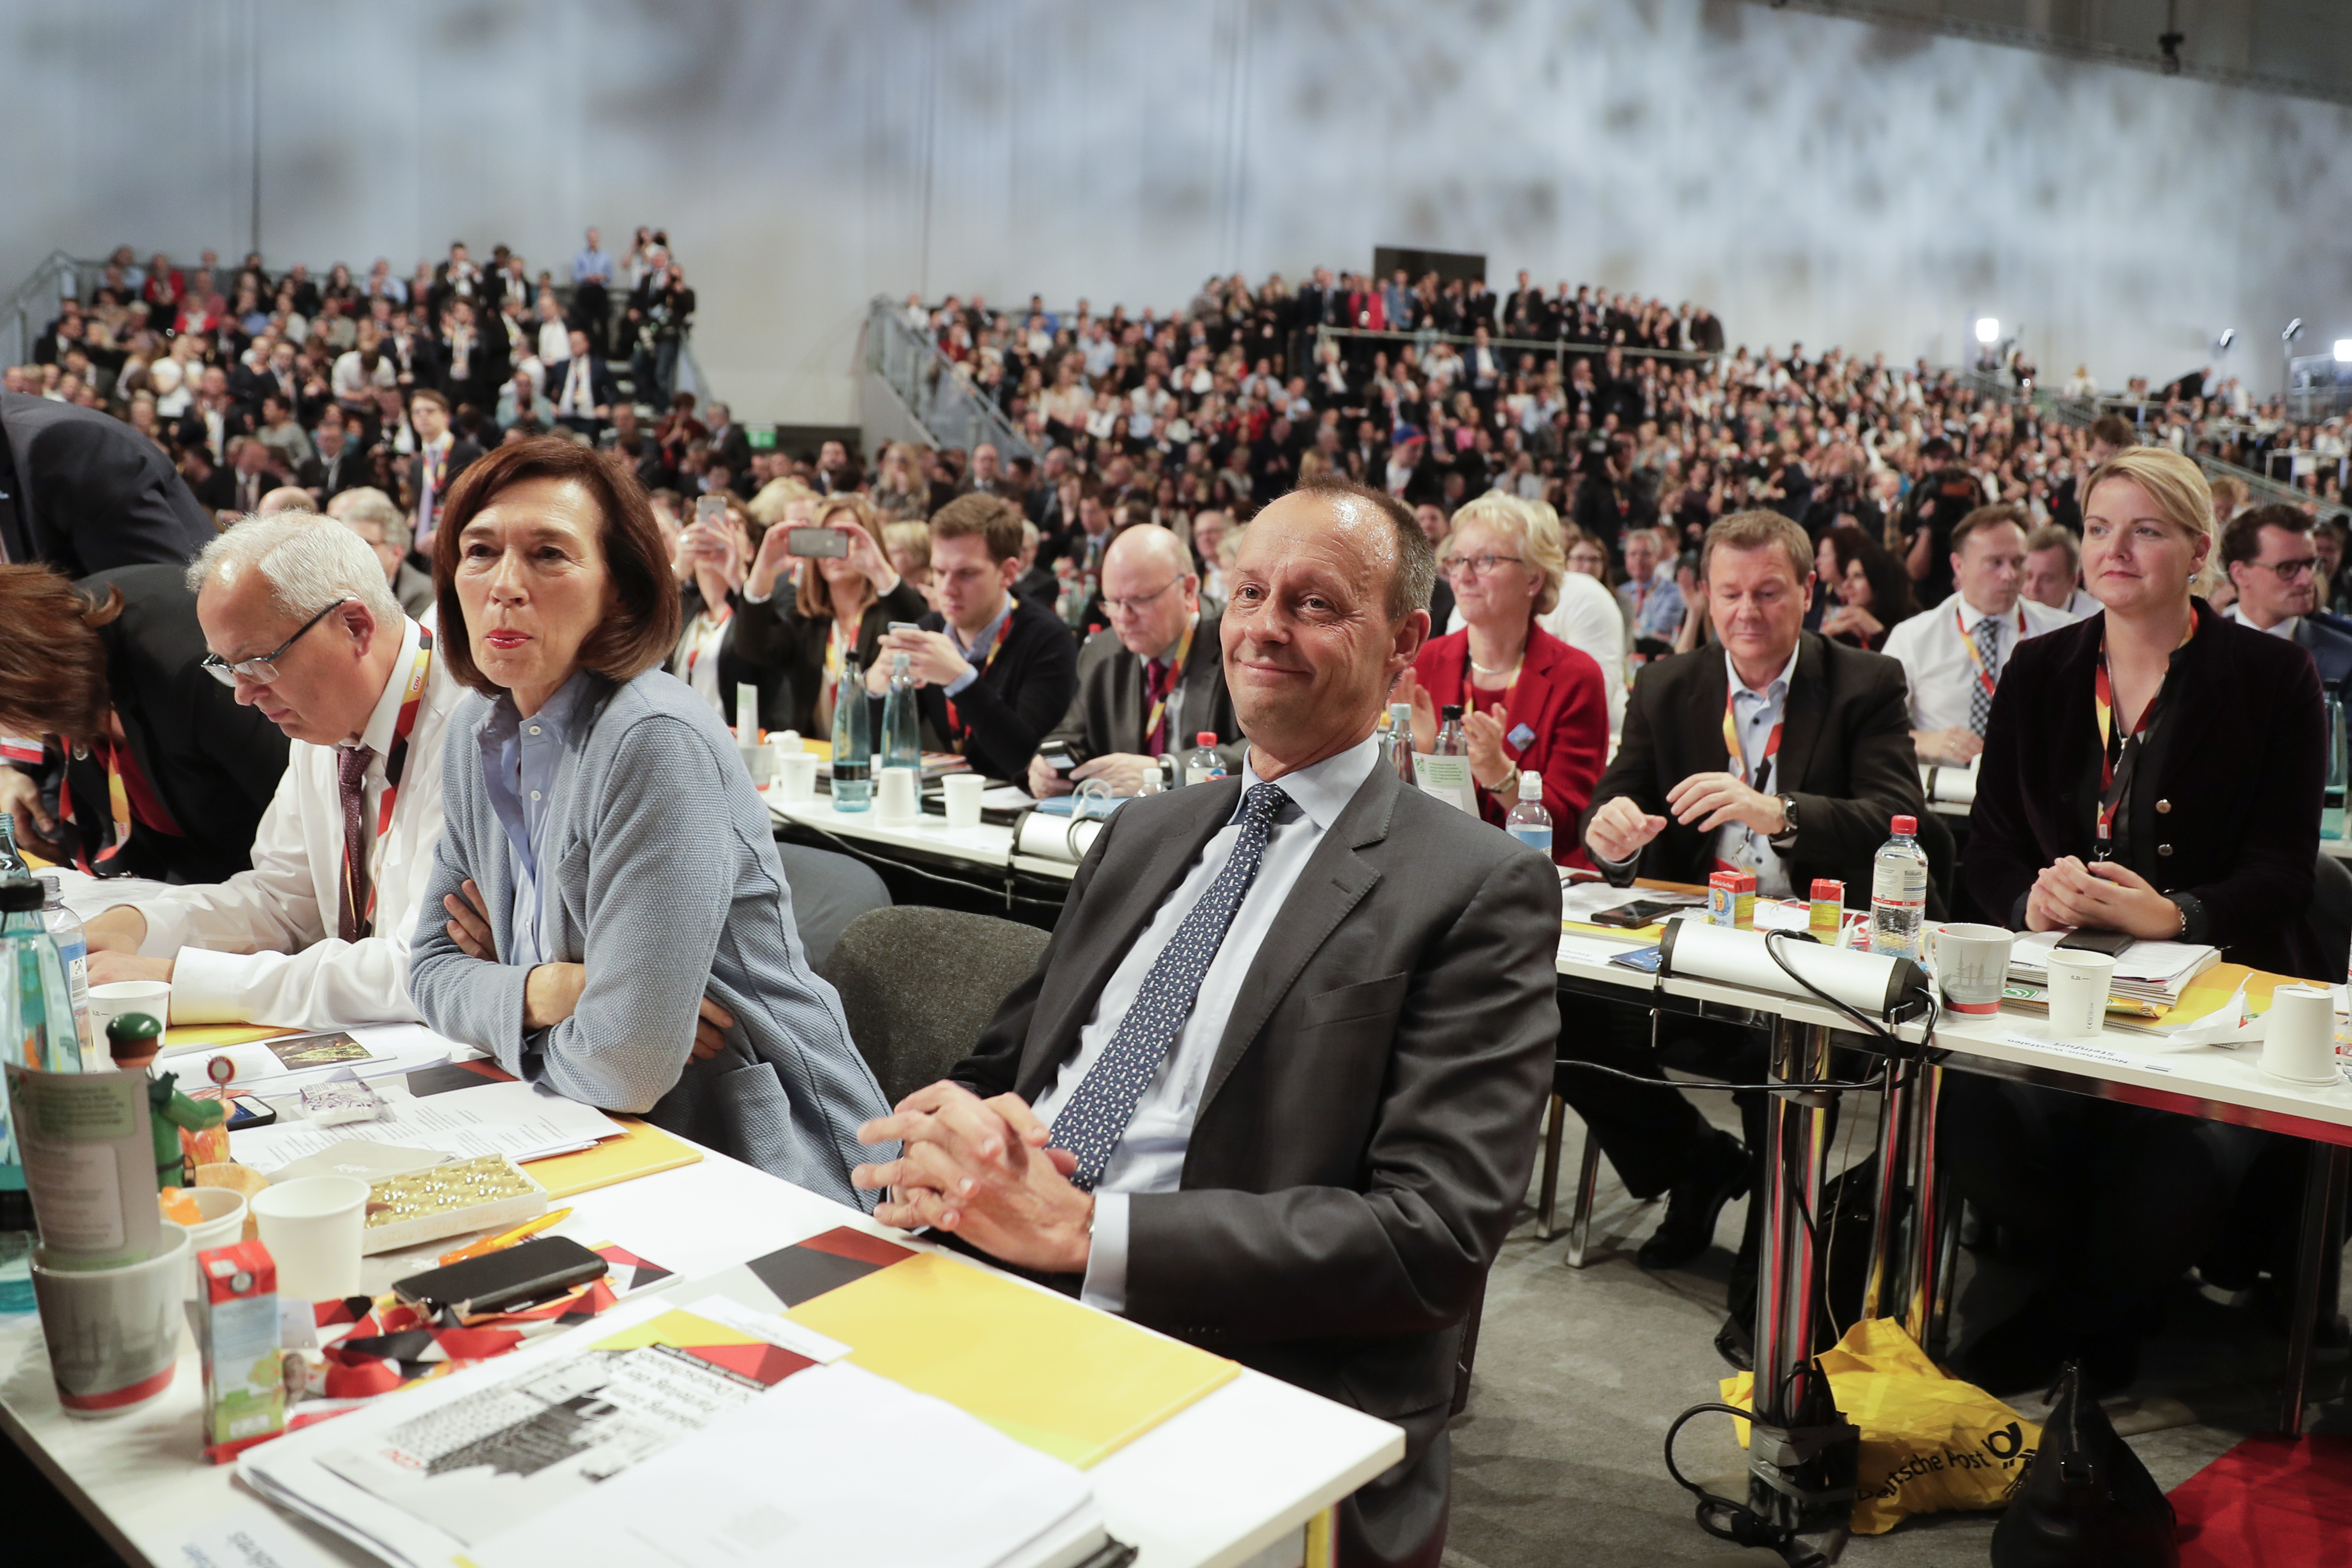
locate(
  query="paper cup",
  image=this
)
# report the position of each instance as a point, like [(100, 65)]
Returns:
[(1972, 964), (897, 794), (2078, 993), (114, 1333), (2299, 1036), (796, 776), (964, 793), (108, 1003), (223, 1225), (311, 1225)]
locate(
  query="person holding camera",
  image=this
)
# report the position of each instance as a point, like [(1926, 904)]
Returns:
[(843, 595)]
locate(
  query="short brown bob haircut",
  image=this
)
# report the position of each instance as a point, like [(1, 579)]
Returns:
[(52, 660), (642, 628), (995, 522)]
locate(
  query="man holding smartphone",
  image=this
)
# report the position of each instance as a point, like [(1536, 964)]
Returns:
[(994, 670)]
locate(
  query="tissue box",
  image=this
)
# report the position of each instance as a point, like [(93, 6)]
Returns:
[(237, 1332)]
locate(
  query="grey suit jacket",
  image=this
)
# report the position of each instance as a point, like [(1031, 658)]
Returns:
[(1368, 1122), (668, 890), (1107, 714)]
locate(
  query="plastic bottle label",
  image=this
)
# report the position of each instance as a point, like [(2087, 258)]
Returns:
[(1195, 773), (1534, 839), (1898, 902)]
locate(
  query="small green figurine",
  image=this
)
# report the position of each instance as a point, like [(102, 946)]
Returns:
[(133, 1040)]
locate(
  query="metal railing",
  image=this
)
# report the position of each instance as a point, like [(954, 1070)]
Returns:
[(1555, 348), (34, 304), (937, 395)]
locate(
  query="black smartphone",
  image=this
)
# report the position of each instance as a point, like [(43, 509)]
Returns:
[(246, 1110), (506, 1280), (2111, 942), (812, 542), (1634, 917), (1057, 756)]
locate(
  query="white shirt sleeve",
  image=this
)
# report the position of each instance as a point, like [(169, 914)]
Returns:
[(1105, 1283)]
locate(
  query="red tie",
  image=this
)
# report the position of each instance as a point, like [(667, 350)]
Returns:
[(1155, 673), (351, 784)]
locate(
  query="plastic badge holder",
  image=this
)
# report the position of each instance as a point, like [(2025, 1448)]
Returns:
[(485, 1193)]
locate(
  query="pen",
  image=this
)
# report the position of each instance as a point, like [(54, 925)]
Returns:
[(527, 1228)]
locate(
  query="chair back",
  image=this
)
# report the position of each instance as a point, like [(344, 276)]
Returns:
[(919, 984), (1935, 841), (829, 890), (2330, 914)]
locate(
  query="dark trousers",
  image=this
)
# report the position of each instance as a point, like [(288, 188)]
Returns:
[(1652, 1135), (1398, 1519)]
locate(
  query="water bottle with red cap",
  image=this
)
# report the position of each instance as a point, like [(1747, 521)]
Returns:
[(1898, 893), (1204, 763)]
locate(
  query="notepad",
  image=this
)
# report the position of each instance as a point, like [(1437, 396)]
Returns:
[(639, 1150)]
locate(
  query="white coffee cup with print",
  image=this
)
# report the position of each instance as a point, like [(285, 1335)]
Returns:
[(121, 997), (1972, 964), (113, 1334), (2079, 981)]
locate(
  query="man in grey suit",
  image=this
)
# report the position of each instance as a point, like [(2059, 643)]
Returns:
[(1151, 681), (1274, 1088)]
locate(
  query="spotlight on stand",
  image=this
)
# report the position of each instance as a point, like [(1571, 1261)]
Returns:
[(1882, 988), (2344, 351)]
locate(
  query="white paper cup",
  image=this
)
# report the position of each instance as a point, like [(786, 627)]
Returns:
[(964, 793), (2078, 993), (108, 1003), (1972, 964), (311, 1225), (223, 1225), (898, 793), (113, 1334), (2299, 1036), (796, 776)]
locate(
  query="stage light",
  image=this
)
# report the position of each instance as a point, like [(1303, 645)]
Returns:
[(2228, 335), (2344, 351), (1988, 330), (2293, 330)]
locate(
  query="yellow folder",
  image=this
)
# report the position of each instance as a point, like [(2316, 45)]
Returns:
[(639, 1150)]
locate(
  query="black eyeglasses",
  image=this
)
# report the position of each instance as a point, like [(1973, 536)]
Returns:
[(262, 668), (2288, 571)]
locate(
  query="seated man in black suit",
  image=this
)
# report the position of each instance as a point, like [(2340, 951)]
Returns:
[(1272, 1089), (1822, 763), (1150, 681), (994, 670), (85, 493), (2269, 555)]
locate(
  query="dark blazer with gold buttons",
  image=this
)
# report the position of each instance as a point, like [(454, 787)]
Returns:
[(2228, 815)]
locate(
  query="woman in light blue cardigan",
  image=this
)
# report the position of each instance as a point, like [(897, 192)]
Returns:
[(609, 917)]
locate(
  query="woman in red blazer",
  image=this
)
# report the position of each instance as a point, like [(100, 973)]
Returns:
[(1528, 700)]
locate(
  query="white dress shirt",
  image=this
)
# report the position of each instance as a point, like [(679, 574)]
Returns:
[(1149, 1155), (1586, 618), (2284, 630), (1755, 715), (261, 947), (1934, 647)]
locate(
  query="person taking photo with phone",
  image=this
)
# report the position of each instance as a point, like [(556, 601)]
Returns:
[(844, 596)]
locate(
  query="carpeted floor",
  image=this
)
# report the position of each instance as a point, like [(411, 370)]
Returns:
[(1579, 1372)]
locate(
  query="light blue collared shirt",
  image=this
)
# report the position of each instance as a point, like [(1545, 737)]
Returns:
[(976, 652), (587, 264), (1754, 715), (521, 761), (1149, 1155)]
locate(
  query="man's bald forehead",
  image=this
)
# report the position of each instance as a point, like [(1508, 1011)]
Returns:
[(1148, 542)]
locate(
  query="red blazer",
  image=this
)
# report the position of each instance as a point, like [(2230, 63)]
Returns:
[(1559, 697)]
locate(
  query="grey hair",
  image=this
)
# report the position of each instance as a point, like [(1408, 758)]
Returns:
[(376, 507), (308, 560)]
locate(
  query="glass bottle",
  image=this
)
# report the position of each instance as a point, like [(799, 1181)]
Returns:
[(1400, 727), (853, 742), (902, 731), (35, 1031), (65, 928)]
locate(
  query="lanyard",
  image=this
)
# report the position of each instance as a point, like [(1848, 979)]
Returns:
[(395, 763), (1985, 677), (832, 659), (1737, 759), (2118, 757), (708, 635), (995, 647), (1168, 684)]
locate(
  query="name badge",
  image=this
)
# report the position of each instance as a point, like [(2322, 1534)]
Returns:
[(1520, 737)]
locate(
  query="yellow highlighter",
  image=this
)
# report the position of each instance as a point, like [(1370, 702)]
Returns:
[(522, 1232)]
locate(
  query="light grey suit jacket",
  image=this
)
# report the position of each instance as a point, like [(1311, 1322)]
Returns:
[(667, 889)]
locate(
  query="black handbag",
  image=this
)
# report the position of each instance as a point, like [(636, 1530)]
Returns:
[(2084, 1499)]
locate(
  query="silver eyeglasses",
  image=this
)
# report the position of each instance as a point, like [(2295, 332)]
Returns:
[(262, 668)]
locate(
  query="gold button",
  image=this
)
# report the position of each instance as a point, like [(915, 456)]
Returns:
[(2164, 849), (2163, 807)]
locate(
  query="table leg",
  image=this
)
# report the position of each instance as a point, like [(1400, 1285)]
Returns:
[(2321, 1190), (1554, 1115), (1788, 1272), (1881, 1287), (1925, 1293)]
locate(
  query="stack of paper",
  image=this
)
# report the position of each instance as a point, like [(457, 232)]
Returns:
[(2146, 971), (282, 1064), (510, 1119)]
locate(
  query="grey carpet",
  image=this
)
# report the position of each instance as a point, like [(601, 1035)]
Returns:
[(1579, 1372)]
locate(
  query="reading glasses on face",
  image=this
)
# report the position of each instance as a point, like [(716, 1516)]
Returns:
[(1479, 565), (1137, 601), (262, 668)]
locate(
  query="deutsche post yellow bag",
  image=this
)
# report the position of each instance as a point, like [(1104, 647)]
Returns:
[(1929, 1442)]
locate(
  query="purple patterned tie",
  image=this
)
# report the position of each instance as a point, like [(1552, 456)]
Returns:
[(351, 784)]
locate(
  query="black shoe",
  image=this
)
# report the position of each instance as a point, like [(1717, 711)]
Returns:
[(1694, 1204), (1735, 1343), (2023, 1353)]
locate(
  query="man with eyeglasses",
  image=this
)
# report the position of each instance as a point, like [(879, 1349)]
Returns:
[(2271, 556), (994, 672), (303, 627), (1149, 682)]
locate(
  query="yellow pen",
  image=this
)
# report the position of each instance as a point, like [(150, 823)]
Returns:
[(527, 1229)]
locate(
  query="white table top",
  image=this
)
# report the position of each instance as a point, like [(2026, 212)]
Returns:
[(1210, 1486), (987, 847), (2225, 1085)]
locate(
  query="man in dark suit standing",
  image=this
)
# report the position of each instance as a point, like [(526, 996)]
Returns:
[(1822, 764), (1150, 681), (1274, 1088), (83, 493), (582, 388)]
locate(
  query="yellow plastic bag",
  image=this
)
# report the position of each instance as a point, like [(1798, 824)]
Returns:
[(1929, 1442)]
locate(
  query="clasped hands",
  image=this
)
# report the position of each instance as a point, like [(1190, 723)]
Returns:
[(981, 1169), (1620, 828), (552, 992), (2102, 895)]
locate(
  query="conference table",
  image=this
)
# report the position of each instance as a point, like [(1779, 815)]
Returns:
[(1238, 1472)]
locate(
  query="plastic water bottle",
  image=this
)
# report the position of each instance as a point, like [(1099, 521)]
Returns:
[(12, 860), (902, 731), (37, 1030), (853, 742), (65, 930), (1401, 731), (1529, 823), (1898, 893), (1203, 764)]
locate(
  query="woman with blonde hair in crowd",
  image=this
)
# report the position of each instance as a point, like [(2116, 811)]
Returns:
[(803, 630), (908, 546), (1585, 615), (2153, 771), (901, 494)]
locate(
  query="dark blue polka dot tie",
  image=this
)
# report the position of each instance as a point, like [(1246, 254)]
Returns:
[(1090, 1124)]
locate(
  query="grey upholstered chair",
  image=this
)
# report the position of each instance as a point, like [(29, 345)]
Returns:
[(919, 986), (829, 890)]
